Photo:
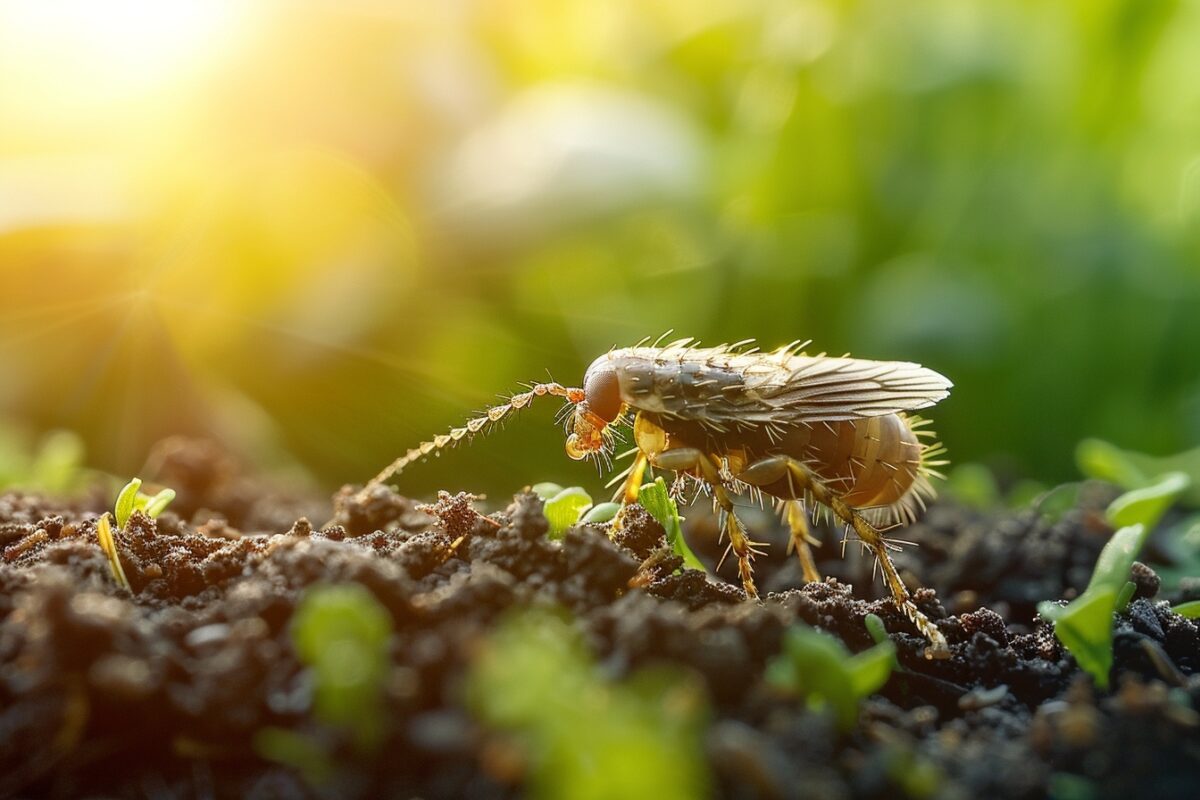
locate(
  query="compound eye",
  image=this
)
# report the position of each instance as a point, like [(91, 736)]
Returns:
[(602, 392)]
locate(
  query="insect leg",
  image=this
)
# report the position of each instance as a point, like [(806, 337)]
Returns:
[(683, 459), (628, 493), (802, 540), (775, 468)]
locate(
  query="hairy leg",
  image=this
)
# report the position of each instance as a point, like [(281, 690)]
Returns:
[(771, 470)]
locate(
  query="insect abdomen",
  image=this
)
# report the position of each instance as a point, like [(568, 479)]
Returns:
[(873, 462)]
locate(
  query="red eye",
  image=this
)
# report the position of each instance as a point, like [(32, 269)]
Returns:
[(603, 392)]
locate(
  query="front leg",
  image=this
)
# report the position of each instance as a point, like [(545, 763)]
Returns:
[(697, 462)]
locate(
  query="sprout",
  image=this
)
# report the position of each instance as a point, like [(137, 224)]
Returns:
[(655, 498), (565, 509), (129, 499), (819, 667), (1085, 625)]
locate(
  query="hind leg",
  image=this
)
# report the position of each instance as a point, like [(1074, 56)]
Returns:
[(801, 479), (801, 540)]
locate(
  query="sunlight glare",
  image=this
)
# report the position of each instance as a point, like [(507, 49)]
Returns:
[(110, 47)]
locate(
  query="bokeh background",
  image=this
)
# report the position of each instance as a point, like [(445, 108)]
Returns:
[(323, 231)]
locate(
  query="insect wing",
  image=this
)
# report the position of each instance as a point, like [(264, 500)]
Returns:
[(812, 389)]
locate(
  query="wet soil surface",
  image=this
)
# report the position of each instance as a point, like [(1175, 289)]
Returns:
[(160, 691)]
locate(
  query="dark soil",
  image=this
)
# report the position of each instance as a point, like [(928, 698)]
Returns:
[(160, 693)]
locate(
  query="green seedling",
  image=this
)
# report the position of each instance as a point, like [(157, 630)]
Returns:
[(343, 635), (655, 498), (1191, 609), (562, 507), (128, 500), (1085, 625), (874, 625), (819, 667), (573, 505), (586, 736), (132, 499)]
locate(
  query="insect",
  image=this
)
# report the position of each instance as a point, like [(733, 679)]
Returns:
[(808, 431)]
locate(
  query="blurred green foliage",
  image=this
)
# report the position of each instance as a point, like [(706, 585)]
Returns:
[(347, 225), (585, 736), (818, 667), (342, 634), (54, 464)]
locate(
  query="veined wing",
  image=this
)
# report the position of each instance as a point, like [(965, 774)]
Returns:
[(834, 389), (721, 387)]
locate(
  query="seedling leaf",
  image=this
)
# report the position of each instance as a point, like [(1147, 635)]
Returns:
[(1191, 609), (1100, 459), (1132, 470), (1084, 626), (818, 666), (1147, 504), (545, 490), (876, 628), (108, 546), (565, 508), (153, 506), (125, 502), (655, 498), (1126, 594), (870, 669), (601, 512)]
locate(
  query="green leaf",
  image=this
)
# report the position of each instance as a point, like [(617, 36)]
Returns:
[(125, 502), (1085, 628), (876, 628), (1117, 557), (545, 490), (1133, 470), (565, 508), (819, 667), (601, 512), (1100, 459), (655, 498), (870, 669), (1126, 594), (1147, 504), (1191, 609), (158, 503)]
